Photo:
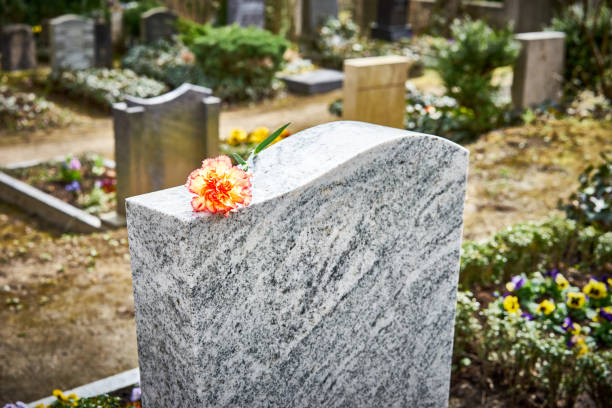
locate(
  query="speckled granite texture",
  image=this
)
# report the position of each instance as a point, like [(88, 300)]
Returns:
[(335, 288)]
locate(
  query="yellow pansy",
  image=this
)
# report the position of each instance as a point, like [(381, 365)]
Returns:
[(259, 135), (237, 136), (511, 304), (546, 307), (36, 29), (59, 395), (576, 300), (561, 282), (595, 289), (582, 347)]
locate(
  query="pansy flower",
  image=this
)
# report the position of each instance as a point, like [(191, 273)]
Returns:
[(546, 307), (572, 327), (511, 304), (576, 300), (603, 313), (561, 282), (515, 283), (595, 289), (527, 316)]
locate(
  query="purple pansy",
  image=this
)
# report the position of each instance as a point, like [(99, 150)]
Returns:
[(515, 283), (135, 394), (527, 316), (567, 324), (605, 314), (74, 186), (553, 274), (18, 404)]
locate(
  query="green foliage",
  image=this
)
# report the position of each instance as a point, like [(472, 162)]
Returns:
[(170, 63), (131, 16), (107, 86), (588, 52), (340, 39), (592, 203), (240, 62), (466, 64), (100, 401), (533, 246), (33, 12), (528, 360)]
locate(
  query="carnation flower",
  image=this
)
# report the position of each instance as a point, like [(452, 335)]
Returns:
[(219, 186)]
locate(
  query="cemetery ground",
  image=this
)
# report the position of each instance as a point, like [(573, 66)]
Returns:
[(67, 298)]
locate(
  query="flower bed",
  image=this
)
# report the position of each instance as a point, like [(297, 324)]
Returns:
[(124, 398), (26, 111), (107, 86), (85, 182), (241, 142)]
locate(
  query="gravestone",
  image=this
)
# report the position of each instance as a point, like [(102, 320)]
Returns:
[(538, 71), (72, 43), (17, 47), (246, 12), (315, 13), (157, 24), (160, 140), (314, 82), (374, 90), (103, 55), (336, 287), (391, 20)]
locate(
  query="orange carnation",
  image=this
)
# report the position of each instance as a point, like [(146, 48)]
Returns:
[(219, 186)]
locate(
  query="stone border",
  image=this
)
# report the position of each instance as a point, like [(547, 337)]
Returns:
[(50, 208), (105, 386)]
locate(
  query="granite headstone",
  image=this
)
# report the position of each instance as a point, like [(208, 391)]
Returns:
[(315, 13), (72, 43), (314, 82), (391, 20), (157, 24), (336, 287), (246, 12), (17, 47), (158, 141)]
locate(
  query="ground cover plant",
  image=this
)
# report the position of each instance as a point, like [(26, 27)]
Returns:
[(26, 111), (86, 181), (107, 86), (241, 63)]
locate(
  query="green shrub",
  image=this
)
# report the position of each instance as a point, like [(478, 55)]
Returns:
[(107, 86), (241, 63), (170, 63), (592, 203), (532, 246), (466, 64), (588, 54)]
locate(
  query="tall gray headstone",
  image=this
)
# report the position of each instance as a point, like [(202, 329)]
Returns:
[(158, 141), (103, 45), (335, 288), (315, 13), (246, 13), (72, 43), (17, 47), (157, 24), (538, 71)]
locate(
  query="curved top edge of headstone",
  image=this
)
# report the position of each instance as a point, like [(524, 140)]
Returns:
[(156, 10), (170, 96), (541, 35), (294, 163), (68, 17)]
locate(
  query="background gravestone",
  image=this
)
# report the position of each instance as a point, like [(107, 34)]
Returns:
[(315, 13), (17, 47), (538, 71), (72, 43), (159, 141), (335, 288), (391, 20), (246, 12), (157, 24), (103, 45), (374, 90)]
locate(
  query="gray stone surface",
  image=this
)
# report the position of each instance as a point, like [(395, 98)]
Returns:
[(157, 24), (103, 51), (314, 82), (72, 43), (246, 12), (315, 13), (335, 288), (17, 47), (391, 20), (159, 141), (538, 71), (47, 207)]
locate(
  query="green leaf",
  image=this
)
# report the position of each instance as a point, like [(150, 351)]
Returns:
[(269, 139), (239, 159)]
